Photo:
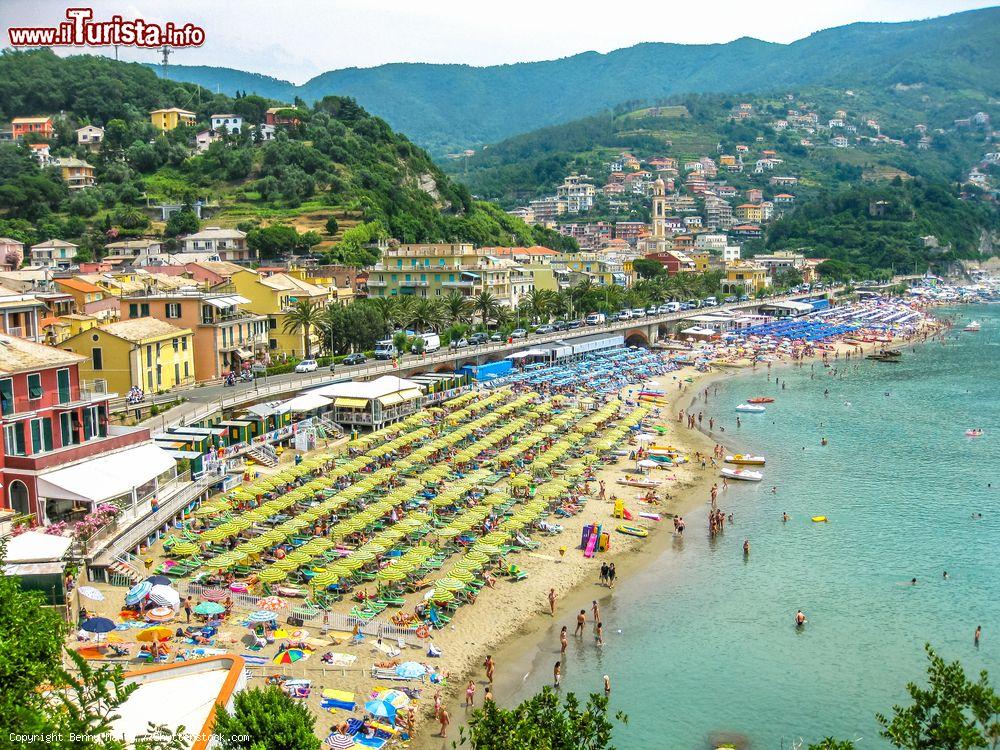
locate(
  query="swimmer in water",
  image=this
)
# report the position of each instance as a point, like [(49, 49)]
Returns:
[(746, 547), (800, 619), (784, 517), (823, 441)]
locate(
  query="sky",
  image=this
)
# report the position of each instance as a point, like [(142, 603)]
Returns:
[(298, 39)]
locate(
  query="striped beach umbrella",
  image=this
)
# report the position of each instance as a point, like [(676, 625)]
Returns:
[(164, 596), (209, 608), (261, 615), (138, 592), (160, 614)]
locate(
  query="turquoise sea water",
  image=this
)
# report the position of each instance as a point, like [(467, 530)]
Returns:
[(707, 641)]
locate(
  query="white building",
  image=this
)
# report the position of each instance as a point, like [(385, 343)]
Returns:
[(228, 244), (710, 241), (204, 139), (229, 123), (53, 254), (89, 135), (577, 193), (730, 253)]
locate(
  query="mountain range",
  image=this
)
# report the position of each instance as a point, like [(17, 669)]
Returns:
[(452, 107)]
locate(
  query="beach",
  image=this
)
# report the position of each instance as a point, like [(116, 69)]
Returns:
[(511, 620)]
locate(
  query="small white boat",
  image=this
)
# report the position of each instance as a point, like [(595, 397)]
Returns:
[(745, 459), (973, 327), (751, 408), (744, 475)]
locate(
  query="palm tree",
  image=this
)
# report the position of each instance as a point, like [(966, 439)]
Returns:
[(583, 295), (303, 316), (537, 304), (563, 305), (426, 314), (456, 307), (485, 305), (386, 308), (503, 316)]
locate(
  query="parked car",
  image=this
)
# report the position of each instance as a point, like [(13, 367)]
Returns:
[(729, 300), (546, 328), (479, 338), (307, 365), (459, 343), (574, 324), (496, 337), (744, 298), (613, 317), (357, 358), (710, 302), (663, 309), (651, 310), (638, 312), (559, 325), (518, 333), (625, 315), (673, 306)]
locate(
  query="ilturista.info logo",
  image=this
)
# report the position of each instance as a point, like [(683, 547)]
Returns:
[(81, 30)]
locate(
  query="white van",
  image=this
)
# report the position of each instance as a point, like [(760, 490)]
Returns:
[(385, 349), (432, 342), (595, 319)]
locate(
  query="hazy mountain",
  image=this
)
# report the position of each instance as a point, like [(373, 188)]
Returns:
[(447, 107)]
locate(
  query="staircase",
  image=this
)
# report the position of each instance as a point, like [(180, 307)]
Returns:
[(264, 455), (123, 571), (328, 426)]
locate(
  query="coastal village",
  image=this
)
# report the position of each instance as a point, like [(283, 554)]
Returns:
[(227, 467)]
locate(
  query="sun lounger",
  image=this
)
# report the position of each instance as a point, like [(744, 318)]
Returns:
[(386, 649), (379, 673)]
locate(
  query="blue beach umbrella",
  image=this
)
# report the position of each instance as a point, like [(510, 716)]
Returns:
[(381, 710), (138, 592), (159, 581), (98, 625), (410, 670)]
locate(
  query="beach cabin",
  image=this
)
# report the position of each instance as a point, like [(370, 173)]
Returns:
[(39, 561), (267, 417), (236, 431), (488, 371)]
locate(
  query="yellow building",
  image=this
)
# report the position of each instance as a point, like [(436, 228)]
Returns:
[(168, 119), (76, 173), (58, 329), (745, 278), (274, 296), (750, 212), (702, 261), (148, 353)]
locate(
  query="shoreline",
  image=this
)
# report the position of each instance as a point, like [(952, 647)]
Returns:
[(528, 638), (513, 636)]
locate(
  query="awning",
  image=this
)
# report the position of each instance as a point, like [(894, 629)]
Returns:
[(35, 546), (268, 409), (391, 399), (351, 403), (528, 353), (307, 402), (223, 302), (106, 477), (411, 393), (244, 354)]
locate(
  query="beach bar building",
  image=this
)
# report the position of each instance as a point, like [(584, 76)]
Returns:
[(373, 403)]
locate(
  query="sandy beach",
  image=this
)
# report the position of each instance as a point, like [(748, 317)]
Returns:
[(512, 621)]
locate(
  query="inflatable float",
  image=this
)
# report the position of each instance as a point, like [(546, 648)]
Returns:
[(751, 408), (760, 400), (632, 530), (819, 519)]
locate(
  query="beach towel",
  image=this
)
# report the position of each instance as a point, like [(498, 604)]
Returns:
[(386, 649), (375, 742), (337, 659), (342, 699), (254, 661)]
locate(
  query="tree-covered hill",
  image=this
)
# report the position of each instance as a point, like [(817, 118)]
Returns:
[(691, 126), (336, 162), (884, 227), (450, 107)]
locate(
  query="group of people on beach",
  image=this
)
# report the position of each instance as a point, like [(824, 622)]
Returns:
[(579, 632)]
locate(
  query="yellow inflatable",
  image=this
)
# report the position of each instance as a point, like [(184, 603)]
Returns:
[(819, 519)]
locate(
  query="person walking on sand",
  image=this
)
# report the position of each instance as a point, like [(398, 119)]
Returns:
[(581, 620), (490, 667), (470, 694), (552, 602), (444, 719), (557, 673), (611, 575), (596, 611), (187, 608), (563, 640)]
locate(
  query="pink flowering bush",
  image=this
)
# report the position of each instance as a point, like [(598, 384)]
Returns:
[(56, 529), (104, 513)]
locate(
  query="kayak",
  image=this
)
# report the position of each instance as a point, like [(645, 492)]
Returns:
[(632, 530)]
